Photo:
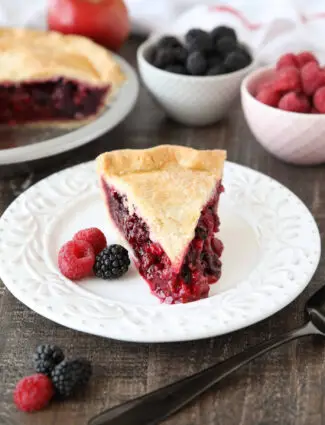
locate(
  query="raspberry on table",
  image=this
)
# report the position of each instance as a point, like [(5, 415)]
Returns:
[(76, 259), (305, 57), (196, 63), (319, 100), (70, 376), (294, 102), (94, 236), (269, 97), (46, 358), (33, 393), (287, 60), (312, 77), (287, 79), (112, 263)]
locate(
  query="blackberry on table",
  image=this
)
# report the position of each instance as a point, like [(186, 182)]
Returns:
[(226, 45), (112, 263), (196, 63), (70, 376), (217, 70), (46, 358), (168, 41), (223, 31), (236, 60), (176, 69)]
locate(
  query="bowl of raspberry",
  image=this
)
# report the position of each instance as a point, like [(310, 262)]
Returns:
[(285, 108), (196, 77)]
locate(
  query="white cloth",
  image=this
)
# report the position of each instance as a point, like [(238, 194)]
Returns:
[(270, 27)]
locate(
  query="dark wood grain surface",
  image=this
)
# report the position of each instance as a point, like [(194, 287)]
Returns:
[(286, 387)]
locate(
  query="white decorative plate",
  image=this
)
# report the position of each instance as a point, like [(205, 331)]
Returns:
[(272, 249), (27, 144)]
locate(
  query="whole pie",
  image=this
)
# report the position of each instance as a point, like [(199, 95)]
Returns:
[(164, 202), (51, 78)]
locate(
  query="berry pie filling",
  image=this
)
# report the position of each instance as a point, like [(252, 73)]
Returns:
[(200, 266), (58, 99)]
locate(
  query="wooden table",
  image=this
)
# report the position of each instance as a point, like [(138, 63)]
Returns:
[(286, 387)]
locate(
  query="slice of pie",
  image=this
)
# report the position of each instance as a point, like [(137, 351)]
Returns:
[(164, 203), (51, 78)]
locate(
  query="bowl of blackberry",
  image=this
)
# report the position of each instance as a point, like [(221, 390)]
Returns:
[(195, 77)]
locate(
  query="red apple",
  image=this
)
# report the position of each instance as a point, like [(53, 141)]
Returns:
[(104, 21)]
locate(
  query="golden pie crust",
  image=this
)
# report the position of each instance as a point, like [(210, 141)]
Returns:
[(168, 186)]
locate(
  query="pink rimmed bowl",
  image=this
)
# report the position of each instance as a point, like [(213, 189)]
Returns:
[(292, 137)]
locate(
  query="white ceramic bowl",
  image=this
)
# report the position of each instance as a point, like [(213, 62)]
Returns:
[(190, 100), (293, 137)]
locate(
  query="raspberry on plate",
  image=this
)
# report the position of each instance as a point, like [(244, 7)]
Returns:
[(287, 79), (319, 100), (94, 236), (294, 102), (287, 60), (312, 77), (76, 259), (268, 96), (33, 393), (305, 57)]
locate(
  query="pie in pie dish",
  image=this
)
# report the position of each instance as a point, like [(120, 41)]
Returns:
[(53, 79), (164, 201)]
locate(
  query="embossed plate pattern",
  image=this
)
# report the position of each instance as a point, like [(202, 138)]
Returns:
[(272, 249)]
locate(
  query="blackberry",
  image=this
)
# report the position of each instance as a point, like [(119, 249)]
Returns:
[(168, 42), (214, 60), (180, 55), (223, 31), (176, 69), (113, 262), (217, 70), (196, 63), (163, 57), (236, 60), (198, 40), (70, 376), (226, 45), (46, 358)]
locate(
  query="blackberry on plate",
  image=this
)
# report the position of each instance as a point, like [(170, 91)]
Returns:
[(196, 63), (112, 263), (168, 41), (236, 60), (226, 45), (223, 31), (198, 40), (176, 69), (46, 358), (70, 376), (217, 70)]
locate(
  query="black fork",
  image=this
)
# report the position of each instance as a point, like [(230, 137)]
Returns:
[(158, 405)]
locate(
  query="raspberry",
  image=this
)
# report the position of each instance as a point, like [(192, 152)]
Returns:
[(94, 236), (76, 259), (312, 78), (294, 102), (269, 97), (265, 85), (287, 60), (287, 79), (33, 393), (319, 100), (314, 111), (305, 57)]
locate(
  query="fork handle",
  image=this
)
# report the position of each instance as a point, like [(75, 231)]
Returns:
[(158, 405)]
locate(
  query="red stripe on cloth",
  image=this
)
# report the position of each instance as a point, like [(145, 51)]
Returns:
[(251, 26)]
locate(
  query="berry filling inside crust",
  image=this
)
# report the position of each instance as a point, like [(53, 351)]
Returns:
[(51, 100), (201, 265)]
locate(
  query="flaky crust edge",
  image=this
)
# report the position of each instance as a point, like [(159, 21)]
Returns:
[(127, 161)]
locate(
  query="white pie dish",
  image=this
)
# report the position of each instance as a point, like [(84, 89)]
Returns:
[(190, 100), (268, 233)]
